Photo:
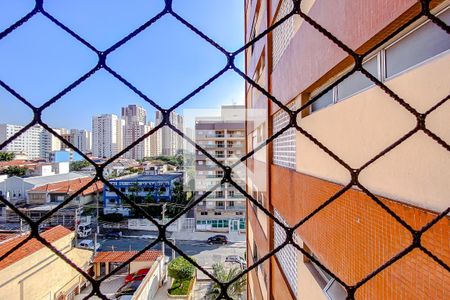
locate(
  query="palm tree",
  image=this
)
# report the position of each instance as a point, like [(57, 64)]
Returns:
[(236, 289)]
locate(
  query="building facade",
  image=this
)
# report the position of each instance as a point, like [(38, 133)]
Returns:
[(107, 135), (356, 120), (143, 187), (135, 127), (169, 142), (38, 273), (82, 139), (224, 138), (34, 143)]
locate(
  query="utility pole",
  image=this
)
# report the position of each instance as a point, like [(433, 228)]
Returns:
[(75, 220), (163, 246)]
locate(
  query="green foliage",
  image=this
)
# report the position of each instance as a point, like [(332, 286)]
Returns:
[(176, 161), (180, 287), (78, 165), (7, 156), (14, 171), (180, 269), (235, 290)]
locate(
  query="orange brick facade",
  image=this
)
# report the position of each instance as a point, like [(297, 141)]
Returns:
[(353, 236)]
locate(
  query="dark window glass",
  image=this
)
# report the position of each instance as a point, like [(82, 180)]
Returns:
[(324, 101), (421, 44), (358, 81)]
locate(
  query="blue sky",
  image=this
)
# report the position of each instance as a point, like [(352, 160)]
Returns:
[(167, 61)]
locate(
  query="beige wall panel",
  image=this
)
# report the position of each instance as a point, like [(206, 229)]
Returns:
[(361, 126)]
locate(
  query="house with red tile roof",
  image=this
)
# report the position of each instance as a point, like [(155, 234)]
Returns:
[(33, 271)]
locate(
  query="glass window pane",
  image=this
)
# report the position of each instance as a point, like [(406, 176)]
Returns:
[(423, 43), (358, 81), (324, 101)]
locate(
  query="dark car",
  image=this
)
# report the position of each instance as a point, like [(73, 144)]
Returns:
[(113, 235), (217, 239), (128, 288)]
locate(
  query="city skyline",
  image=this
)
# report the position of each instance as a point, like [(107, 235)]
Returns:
[(40, 74)]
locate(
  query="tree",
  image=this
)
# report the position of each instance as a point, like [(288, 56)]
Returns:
[(78, 165), (7, 156), (236, 289), (15, 171), (180, 269)]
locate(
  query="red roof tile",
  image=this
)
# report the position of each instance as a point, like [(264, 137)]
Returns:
[(123, 256), (70, 187), (7, 236), (29, 247)]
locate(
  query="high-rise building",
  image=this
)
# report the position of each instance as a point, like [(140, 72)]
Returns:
[(107, 135), (170, 143), (82, 139), (353, 235), (34, 143), (223, 138), (135, 127)]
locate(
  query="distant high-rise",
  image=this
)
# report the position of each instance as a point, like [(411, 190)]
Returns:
[(107, 135), (170, 143), (34, 143), (82, 139), (135, 127)]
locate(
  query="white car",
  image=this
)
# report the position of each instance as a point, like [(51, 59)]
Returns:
[(236, 259), (89, 244)]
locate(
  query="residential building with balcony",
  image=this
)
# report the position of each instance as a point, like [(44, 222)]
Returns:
[(107, 135), (143, 187), (135, 127), (34, 143), (353, 235), (223, 138), (169, 142)]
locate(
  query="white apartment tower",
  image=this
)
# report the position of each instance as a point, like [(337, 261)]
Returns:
[(135, 127), (34, 143), (82, 139), (169, 143), (107, 135)]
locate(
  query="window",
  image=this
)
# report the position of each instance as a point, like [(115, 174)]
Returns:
[(204, 213), (288, 255), (284, 146), (357, 81), (231, 203), (419, 45), (217, 213), (220, 204), (239, 213), (332, 289)]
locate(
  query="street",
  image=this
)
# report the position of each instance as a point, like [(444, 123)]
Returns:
[(203, 253)]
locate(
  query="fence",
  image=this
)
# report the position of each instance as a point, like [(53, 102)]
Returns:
[(228, 170)]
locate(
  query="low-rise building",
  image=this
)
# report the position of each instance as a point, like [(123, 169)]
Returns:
[(15, 189), (143, 186), (35, 272)]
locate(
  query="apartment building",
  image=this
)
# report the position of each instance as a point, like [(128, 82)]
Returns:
[(135, 127), (82, 139), (169, 142), (224, 138), (34, 143), (356, 120), (107, 135)]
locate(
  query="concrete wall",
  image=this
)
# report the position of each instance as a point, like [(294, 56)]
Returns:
[(149, 286)]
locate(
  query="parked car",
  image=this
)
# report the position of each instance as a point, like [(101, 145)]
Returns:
[(235, 259), (217, 239), (139, 275), (113, 235), (89, 244), (128, 288)]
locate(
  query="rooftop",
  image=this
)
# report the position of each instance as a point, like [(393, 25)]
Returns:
[(123, 256), (148, 177), (70, 187), (29, 247), (43, 180)]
